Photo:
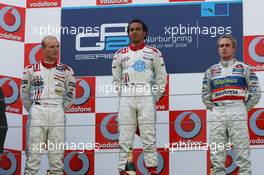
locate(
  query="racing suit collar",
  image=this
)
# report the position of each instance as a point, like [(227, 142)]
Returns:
[(228, 63), (135, 48), (47, 65)]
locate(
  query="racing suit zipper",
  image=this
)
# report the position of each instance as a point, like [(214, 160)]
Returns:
[(48, 95)]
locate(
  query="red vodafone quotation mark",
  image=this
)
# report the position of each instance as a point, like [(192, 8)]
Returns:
[(15, 13)]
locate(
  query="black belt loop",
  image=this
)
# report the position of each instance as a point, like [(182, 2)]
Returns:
[(45, 104), (216, 104), (37, 103)]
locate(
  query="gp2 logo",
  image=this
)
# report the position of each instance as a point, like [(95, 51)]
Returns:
[(109, 41)]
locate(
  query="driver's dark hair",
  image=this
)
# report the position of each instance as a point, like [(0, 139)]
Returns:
[(144, 26)]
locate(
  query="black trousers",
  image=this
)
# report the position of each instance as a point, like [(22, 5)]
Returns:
[(3, 122)]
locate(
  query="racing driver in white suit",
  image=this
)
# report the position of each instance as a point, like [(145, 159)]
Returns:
[(230, 90), (139, 76), (47, 90)]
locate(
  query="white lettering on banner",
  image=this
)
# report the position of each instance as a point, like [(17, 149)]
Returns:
[(160, 107), (189, 29), (43, 4), (169, 39), (10, 36), (79, 109), (113, 1), (109, 145), (94, 56), (257, 141), (10, 109)]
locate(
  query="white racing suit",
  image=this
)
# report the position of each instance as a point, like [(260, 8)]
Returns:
[(230, 89), (135, 72), (47, 90)]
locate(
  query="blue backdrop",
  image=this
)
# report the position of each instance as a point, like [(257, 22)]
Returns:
[(186, 34)]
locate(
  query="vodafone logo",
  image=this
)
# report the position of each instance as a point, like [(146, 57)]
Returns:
[(33, 53), (232, 166), (10, 19), (253, 122), (196, 121), (12, 163), (11, 88), (80, 157), (141, 167), (86, 92), (12, 22), (104, 130), (84, 101), (256, 49), (188, 127), (109, 2)]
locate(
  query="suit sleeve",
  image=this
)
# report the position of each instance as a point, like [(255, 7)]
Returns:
[(25, 89), (206, 91), (70, 89), (253, 89), (117, 73), (160, 73)]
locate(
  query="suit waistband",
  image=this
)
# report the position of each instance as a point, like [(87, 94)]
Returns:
[(45, 103)]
